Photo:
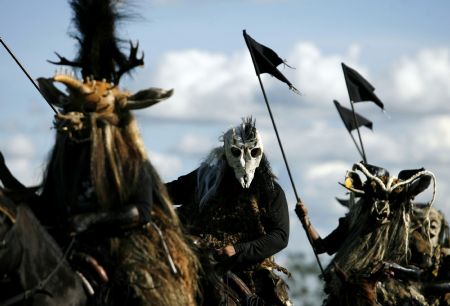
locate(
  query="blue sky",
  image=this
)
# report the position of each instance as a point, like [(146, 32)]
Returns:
[(197, 48)]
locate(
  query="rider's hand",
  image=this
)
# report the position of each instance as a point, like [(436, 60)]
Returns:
[(80, 223), (301, 210), (227, 251)]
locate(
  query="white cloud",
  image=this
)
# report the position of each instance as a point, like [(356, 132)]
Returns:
[(23, 170), (432, 139), (166, 165), (319, 76), (20, 146), (194, 144), (324, 171), (420, 82), (208, 86)]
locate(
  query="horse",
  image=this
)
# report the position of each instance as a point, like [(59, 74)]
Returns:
[(218, 285), (379, 223), (359, 288), (35, 270)]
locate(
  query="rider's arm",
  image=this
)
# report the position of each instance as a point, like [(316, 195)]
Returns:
[(137, 211), (329, 244), (276, 237), (182, 190)]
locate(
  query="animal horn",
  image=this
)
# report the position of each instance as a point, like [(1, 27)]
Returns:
[(369, 175), (71, 83), (148, 97)]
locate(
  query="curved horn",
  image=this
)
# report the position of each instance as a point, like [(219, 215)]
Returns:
[(419, 175), (71, 83), (356, 191), (369, 175), (147, 97)]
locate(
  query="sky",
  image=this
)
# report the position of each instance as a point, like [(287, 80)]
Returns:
[(197, 48)]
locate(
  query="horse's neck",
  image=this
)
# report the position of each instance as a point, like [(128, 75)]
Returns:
[(40, 254)]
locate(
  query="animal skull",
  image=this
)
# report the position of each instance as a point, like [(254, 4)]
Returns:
[(243, 150)]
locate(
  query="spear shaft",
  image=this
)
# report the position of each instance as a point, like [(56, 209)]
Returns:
[(27, 74)]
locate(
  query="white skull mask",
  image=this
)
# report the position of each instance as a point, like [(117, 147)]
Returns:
[(243, 150), (436, 220)]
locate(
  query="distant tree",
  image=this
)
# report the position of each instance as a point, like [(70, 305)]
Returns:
[(305, 285)]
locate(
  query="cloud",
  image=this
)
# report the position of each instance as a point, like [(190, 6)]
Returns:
[(19, 146), (194, 145), (19, 152), (166, 165), (432, 139), (319, 76), (420, 82), (208, 86)]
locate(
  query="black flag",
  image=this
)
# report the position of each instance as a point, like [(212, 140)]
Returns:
[(266, 60), (349, 120), (359, 89)]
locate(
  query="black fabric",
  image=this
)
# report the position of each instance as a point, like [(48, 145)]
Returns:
[(359, 89), (276, 222), (349, 120), (265, 59), (334, 240)]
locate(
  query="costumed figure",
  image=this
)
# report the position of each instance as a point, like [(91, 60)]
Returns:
[(375, 230), (425, 278), (99, 186), (233, 203)]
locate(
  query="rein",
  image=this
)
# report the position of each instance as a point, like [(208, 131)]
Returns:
[(39, 288)]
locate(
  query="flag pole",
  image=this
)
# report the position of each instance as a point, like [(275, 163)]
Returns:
[(354, 117), (282, 151), (349, 129), (357, 147), (26, 73), (362, 152)]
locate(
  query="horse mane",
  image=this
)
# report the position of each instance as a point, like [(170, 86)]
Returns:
[(34, 234)]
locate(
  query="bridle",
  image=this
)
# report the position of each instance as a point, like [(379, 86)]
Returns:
[(39, 288)]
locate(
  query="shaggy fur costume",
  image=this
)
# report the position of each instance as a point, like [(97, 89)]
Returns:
[(99, 166)]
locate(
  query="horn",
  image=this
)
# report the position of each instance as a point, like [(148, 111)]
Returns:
[(356, 191), (361, 167), (71, 83), (147, 97)]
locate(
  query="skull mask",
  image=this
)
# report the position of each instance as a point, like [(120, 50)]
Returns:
[(243, 150)]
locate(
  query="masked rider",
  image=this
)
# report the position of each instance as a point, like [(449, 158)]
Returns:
[(236, 207)]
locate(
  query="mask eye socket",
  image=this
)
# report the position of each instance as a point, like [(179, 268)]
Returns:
[(235, 152), (255, 152), (434, 227)]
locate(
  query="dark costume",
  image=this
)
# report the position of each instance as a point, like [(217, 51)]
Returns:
[(99, 186), (254, 220), (376, 230)]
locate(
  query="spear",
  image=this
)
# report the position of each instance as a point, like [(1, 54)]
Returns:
[(265, 60), (359, 90), (27, 74)]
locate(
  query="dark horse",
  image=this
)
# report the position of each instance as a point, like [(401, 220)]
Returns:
[(34, 269), (220, 286)]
